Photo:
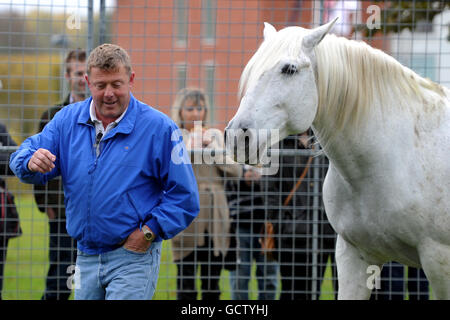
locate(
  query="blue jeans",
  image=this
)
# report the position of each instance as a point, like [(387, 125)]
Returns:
[(248, 248), (119, 274)]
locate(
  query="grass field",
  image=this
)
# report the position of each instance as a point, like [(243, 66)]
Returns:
[(27, 262)]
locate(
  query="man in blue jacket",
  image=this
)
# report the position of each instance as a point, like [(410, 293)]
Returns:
[(124, 193)]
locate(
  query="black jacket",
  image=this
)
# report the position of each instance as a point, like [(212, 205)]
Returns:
[(245, 202), (293, 223), (5, 140)]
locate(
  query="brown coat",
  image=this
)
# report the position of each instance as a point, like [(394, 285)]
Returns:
[(214, 216)]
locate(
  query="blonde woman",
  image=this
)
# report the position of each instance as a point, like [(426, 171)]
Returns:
[(205, 242)]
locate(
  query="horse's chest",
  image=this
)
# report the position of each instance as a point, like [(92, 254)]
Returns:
[(357, 227), (372, 220), (350, 212)]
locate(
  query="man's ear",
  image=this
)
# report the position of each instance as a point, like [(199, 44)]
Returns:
[(316, 35), (132, 78), (87, 79)]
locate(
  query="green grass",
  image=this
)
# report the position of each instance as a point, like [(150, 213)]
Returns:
[(27, 263), (27, 259)]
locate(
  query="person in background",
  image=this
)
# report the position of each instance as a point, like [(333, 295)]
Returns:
[(204, 244), (5, 140), (50, 197), (392, 283), (246, 205), (291, 213), (125, 189)]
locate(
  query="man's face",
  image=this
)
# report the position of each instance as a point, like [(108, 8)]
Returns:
[(75, 77), (110, 91)]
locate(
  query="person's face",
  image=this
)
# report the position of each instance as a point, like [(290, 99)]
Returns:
[(75, 77), (110, 91), (192, 111)]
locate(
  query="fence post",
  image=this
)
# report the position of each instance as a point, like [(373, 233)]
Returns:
[(102, 23), (315, 230), (316, 203), (90, 35)]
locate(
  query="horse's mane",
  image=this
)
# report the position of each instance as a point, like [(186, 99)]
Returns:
[(351, 75), (269, 53)]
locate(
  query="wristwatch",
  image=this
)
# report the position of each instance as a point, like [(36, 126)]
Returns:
[(148, 233)]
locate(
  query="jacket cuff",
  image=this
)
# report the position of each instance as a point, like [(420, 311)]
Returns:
[(156, 229), (24, 164)]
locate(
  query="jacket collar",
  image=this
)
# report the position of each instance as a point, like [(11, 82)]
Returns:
[(125, 125)]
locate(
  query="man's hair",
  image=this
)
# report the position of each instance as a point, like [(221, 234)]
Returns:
[(77, 55), (109, 57)]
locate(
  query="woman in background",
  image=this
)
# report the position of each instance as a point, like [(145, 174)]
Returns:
[(205, 242)]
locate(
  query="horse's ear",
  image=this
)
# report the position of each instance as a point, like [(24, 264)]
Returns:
[(313, 39), (269, 30)]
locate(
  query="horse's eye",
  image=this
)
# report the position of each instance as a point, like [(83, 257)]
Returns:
[(289, 69)]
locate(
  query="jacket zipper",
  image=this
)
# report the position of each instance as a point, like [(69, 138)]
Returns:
[(90, 187)]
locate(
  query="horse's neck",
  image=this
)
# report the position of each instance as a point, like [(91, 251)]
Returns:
[(359, 151)]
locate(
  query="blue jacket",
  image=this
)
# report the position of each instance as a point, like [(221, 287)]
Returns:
[(134, 180)]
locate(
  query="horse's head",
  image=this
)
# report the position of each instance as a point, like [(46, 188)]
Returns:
[(278, 90)]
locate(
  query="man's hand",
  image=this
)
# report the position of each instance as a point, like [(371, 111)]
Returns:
[(51, 213), (42, 161), (137, 242)]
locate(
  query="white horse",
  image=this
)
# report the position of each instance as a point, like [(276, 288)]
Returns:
[(386, 132)]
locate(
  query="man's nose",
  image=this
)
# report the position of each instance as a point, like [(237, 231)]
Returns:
[(109, 92)]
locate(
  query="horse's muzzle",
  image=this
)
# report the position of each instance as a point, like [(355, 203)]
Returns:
[(237, 144)]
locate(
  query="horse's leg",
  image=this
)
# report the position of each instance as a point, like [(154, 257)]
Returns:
[(352, 272), (435, 260)]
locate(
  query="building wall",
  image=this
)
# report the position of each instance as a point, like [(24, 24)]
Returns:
[(148, 30), (428, 53)]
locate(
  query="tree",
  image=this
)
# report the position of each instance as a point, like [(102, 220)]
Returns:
[(398, 15), (14, 33)]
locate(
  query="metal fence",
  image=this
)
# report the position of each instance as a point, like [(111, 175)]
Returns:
[(198, 43)]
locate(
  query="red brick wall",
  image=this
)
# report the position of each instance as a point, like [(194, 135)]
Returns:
[(146, 29)]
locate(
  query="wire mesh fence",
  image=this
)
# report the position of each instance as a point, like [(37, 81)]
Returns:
[(202, 44)]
